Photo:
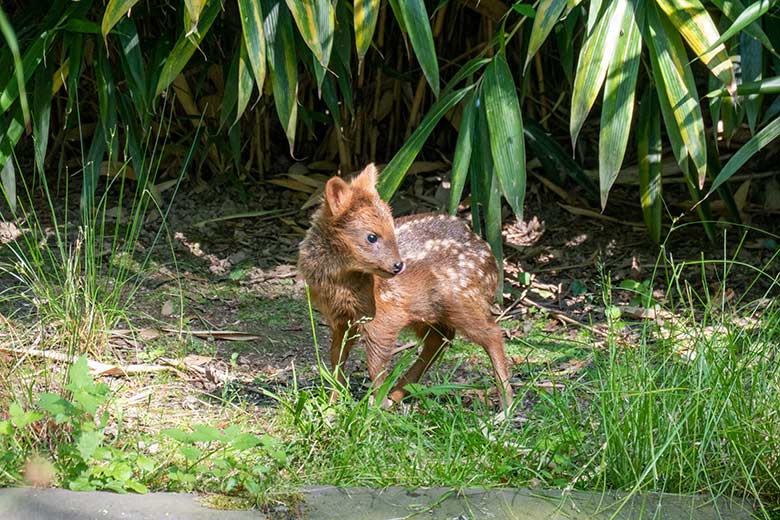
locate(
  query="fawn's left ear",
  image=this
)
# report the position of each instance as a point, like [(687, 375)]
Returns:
[(367, 178)]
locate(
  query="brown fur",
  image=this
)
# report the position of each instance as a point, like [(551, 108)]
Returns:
[(449, 280)]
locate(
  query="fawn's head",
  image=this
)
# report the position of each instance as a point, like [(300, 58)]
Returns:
[(363, 223)]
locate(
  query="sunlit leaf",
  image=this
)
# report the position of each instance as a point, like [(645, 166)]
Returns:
[(507, 144), (547, 15), (316, 21), (365, 16), (595, 57), (618, 107), (254, 39), (283, 64), (13, 45), (113, 12)]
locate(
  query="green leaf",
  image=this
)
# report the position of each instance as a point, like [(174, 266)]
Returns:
[(13, 45), (9, 136), (748, 16), (650, 154), (690, 18), (767, 135), (283, 64), (752, 70), (547, 16), (205, 433), (254, 42), (316, 21), (21, 418), (416, 20), (618, 107), (674, 76), (185, 47), (23, 72), (595, 56), (244, 441), (8, 178), (88, 442), (132, 63), (6, 428), (732, 9), (462, 159), (493, 229), (366, 12), (505, 123), (245, 84), (114, 11), (555, 161), (394, 172), (193, 11)]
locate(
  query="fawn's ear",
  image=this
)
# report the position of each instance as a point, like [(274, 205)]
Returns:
[(367, 178), (337, 195)]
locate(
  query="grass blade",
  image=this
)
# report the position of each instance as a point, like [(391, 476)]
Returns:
[(691, 20), (595, 57), (185, 47), (394, 172), (462, 158), (650, 153), (366, 13), (283, 62), (316, 21), (417, 24), (114, 12), (618, 108), (674, 76), (768, 134), (253, 40), (505, 123), (547, 15)]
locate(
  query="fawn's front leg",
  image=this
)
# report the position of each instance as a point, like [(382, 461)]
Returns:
[(379, 339)]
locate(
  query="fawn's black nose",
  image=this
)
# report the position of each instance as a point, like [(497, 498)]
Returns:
[(398, 267)]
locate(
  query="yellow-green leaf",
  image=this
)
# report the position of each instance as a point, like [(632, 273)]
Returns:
[(547, 15), (673, 74), (185, 47), (595, 57), (507, 143), (316, 21), (254, 38), (691, 19), (650, 152), (193, 8), (115, 10), (618, 107), (366, 12), (415, 18), (283, 64), (245, 85)]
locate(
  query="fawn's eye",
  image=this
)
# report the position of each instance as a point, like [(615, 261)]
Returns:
[(372, 238)]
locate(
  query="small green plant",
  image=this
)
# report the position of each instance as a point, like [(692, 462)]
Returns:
[(228, 459)]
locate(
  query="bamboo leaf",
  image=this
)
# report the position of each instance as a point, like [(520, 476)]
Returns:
[(394, 172), (732, 9), (13, 45), (10, 135), (752, 70), (25, 69), (8, 178), (416, 20), (193, 8), (366, 12), (253, 39), (185, 47), (462, 159), (675, 77), (245, 84), (493, 229), (595, 57), (41, 114), (547, 16), (132, 63), (283, 64), (691, 20), (114, 11), (507, 145), (482, 167), (767, 135), (650, 154), (618, 107), (92, 172), (316, 21), (748, 16)]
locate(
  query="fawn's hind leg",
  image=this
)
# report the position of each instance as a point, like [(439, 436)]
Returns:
[(488, 335), (435, 339)]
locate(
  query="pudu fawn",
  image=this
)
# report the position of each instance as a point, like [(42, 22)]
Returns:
[(429, 272)]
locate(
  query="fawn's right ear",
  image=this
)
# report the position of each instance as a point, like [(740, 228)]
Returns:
[(337, 195)]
